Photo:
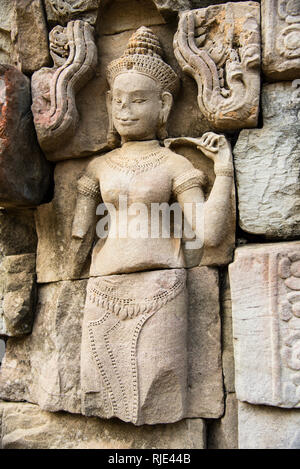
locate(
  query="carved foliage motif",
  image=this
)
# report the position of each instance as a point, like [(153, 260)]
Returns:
[(267, 324), (281, 38), (219, 47), (289, 272), (53, 90), (288, 41)]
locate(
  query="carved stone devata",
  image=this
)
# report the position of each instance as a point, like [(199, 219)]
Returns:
[(134, 359), (219, 47), (54, 89), (265, 285), (281, 39)]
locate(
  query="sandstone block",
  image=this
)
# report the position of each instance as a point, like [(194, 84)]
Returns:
[(265, 289), (25, 426), (2, 350), (169, 8), (267, 166), (219, 46), (50, 356), (206, 397), (131, 14), (18, 294), (223, 433), (21, 158), (17, 232), (62, 11), (262, 427), (54, 225), (6, 15), (281, 39), (227, 338), (29, 36)]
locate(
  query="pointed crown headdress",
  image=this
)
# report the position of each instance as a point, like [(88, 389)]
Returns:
[(144, 55)]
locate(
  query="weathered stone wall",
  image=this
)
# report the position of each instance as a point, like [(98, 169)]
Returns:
[(239, 70)]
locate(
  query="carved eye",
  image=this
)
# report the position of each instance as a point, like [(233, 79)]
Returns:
[(139, 100)]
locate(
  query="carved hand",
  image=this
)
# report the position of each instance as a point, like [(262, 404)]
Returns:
[(217, 148)]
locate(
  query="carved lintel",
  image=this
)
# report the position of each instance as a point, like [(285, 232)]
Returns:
[(54, 90), (281, 39), (265, 287), (219, 47)]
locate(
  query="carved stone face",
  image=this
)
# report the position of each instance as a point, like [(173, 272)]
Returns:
[(136, 106)]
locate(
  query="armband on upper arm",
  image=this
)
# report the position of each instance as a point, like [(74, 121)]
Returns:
[(192, 178), (89, 187)]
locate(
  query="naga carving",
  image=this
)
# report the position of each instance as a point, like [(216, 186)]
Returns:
[(219, 47), (54, 89)]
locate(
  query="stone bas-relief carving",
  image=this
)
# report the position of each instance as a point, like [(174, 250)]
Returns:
[(281, 39), (153, 352), (25, 426), (24, 171), (54, 89), (220, 48), (265, 285), (50, 355), (267, 167)]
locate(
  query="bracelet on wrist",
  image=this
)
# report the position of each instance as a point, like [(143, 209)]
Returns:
[(224, 171)]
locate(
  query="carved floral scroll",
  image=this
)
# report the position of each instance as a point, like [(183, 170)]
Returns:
[(219, 47), (54, 89), (265, 286)]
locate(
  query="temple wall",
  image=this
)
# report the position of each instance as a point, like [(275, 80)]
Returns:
[(238, 65)]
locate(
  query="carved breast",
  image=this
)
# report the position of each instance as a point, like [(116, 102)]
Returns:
[(140, 184)]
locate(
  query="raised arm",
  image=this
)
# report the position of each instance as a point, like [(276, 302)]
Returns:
[(207, 220), (217, 207)]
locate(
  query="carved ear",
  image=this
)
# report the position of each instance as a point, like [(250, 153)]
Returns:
[(167, 102), (113, 138)]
